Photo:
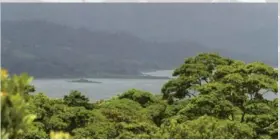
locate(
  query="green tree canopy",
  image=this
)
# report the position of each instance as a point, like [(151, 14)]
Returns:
[(75, 98), (210, 97)]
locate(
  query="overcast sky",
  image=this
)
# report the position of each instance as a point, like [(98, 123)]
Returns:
[(139, 0), (238, 27), (149, 1)]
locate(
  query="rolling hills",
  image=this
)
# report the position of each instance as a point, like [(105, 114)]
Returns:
[(48, 50)]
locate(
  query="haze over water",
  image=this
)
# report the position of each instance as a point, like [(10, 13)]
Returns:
[(57, 88)]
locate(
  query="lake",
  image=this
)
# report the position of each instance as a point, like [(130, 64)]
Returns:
[(57, 88)]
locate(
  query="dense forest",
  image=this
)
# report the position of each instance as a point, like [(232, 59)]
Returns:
[(228, 103), (48, 50)]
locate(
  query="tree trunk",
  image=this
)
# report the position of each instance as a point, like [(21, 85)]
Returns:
[(243, 116)]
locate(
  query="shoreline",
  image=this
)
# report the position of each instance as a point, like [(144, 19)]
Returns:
[(143, 75), (106, 77)]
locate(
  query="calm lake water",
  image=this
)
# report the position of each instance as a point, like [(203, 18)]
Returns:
[(57, 88)]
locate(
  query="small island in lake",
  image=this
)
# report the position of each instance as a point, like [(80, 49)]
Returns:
[(85, 81)]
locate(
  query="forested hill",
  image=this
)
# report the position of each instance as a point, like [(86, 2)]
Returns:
[(45, 49)]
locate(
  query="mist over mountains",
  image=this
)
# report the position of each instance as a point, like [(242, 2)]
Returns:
[(62, 40)]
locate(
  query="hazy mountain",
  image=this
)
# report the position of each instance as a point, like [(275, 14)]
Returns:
[(244, 28), (44, 49), (89, 39)]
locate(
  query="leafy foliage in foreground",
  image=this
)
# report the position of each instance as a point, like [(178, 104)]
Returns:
[(210, 95)]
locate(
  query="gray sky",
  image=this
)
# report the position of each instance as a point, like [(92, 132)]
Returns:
[(140, 0), (238, 27), (146, 1), (156, 21)]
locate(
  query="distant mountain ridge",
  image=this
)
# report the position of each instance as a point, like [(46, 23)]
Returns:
[(45, 49)]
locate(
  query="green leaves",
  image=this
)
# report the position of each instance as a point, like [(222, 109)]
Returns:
[(196, 71), (263, 117), (206, 127), (142, 97), (207, 68), (210, 104), (177, 88), (225, 89), (136, 130), (121, 110), (225, 100), (15, 116), (75, 98), (96, 130)]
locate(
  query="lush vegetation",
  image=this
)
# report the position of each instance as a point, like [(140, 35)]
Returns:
[(211, 97)]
